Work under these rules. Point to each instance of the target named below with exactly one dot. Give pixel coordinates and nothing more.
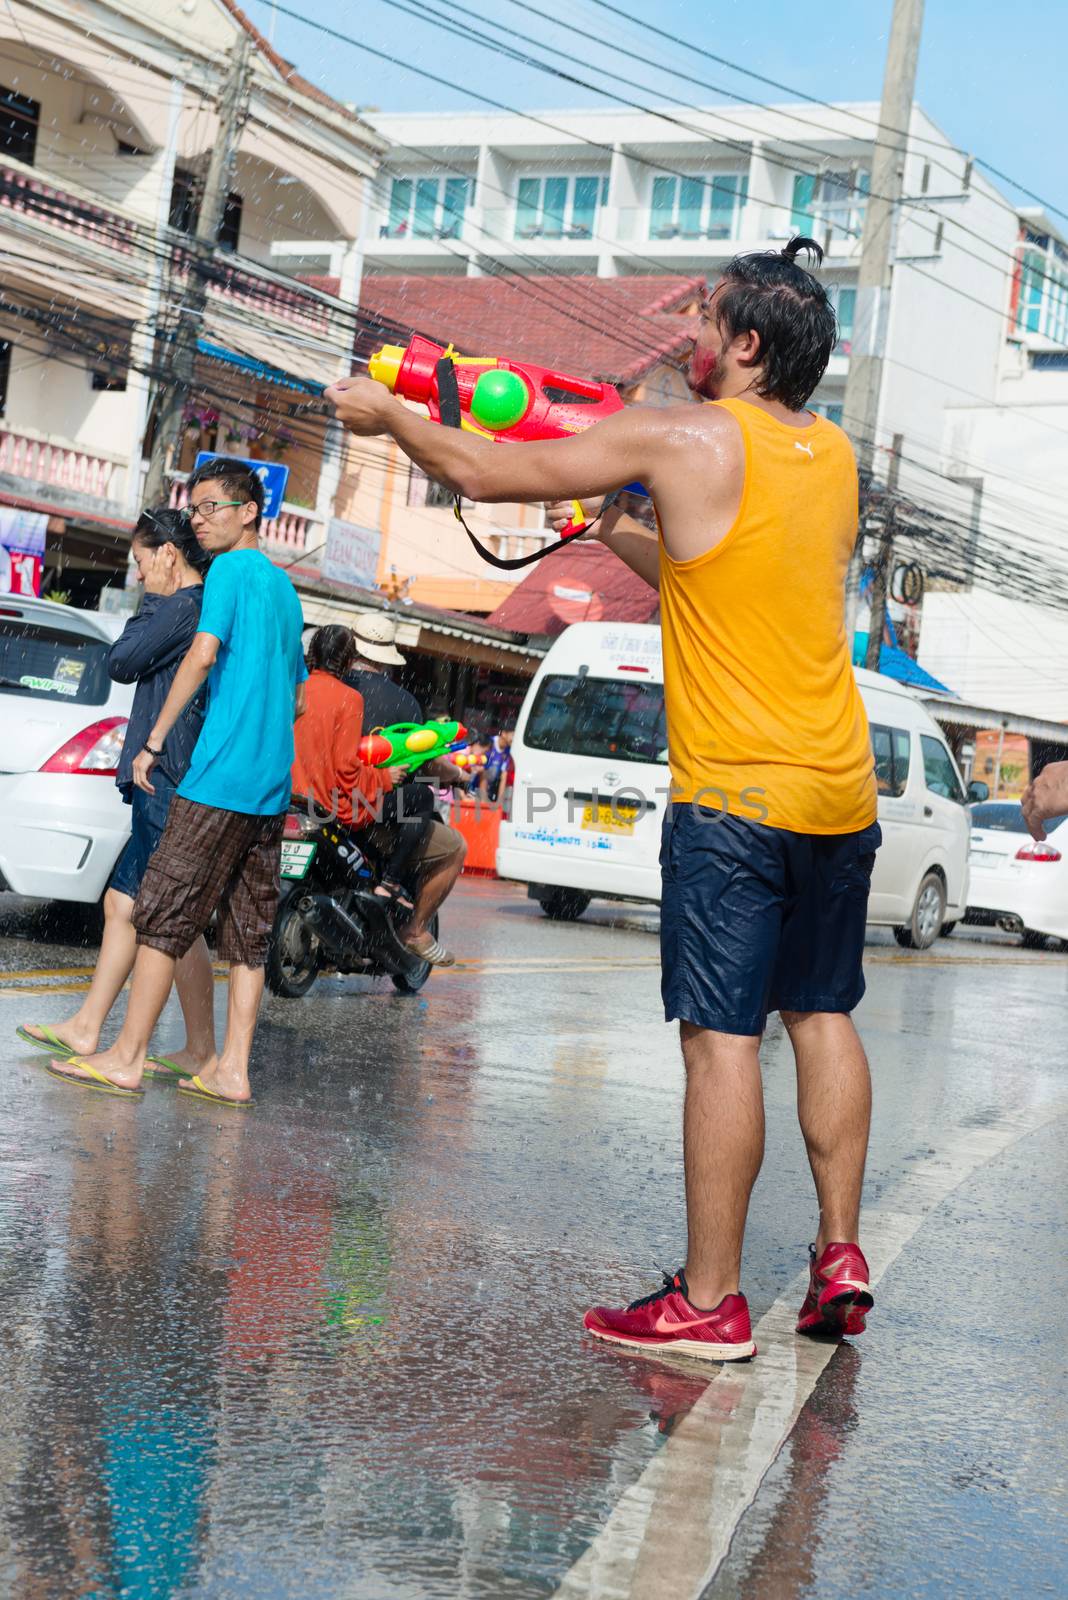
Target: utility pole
(875, 274)
(192, 297)
(884, 565)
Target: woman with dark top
(171, 564)
(328, 770)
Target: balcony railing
(23, 191)
(506, 224)
(40, 458)
(232, 282)
(422, 233)
(296, 528)
(656, 227)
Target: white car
(62, 723)
(1018, 884)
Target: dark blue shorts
(146, 830)
(755, 919)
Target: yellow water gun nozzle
(384, 366)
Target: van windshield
(601, 717)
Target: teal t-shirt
(243, 757)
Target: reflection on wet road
(332, 1347)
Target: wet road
(332, 1347)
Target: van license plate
(985, 858)
(297, 857)
(603, 819)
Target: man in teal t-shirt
(221, 850)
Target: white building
(623, 192)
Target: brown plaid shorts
(208, 860)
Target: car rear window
(1004, 816)
(45, 663)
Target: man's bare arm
(637, 443)
(191, 675)
(637, 546)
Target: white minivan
(592, 784)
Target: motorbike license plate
(603, 819)
(297, 857)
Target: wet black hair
(331, 649)
(768, 293)
(236, 477)
(159, 525)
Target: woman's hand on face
(161, 575)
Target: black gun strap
(449, 411)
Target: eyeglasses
(208, 508)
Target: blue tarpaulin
(259, 369)
(895, 663)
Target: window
(45, 663)
(892, 748)
(1042, 298)
(427, 208)
(19, 120)
(1003, 816)
(424, 491)
(938, 770)
(697, 208)
(601, 717)
(844, 301)
(830, 200)
(185, 209)
(833, 413)
(5, 373)
(560, 207)
(185, 201)
(230, 226)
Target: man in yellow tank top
(770, 832)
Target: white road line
(672, 1528)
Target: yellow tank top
(765, 719)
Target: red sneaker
(668, 1321)
(838, 1299)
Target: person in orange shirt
(327, 767)
(770, 829)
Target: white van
(592, 784)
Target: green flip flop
(164, 1069)
(51, 1041)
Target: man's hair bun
(800, 242)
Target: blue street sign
(273, 475)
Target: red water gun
(500, 400)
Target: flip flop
(51, 1041)
(436, 954)
(396, 895)
(199, 1089)
(95, 1081)
(163, 1069)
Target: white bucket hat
(375, 636)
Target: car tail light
(94, 751)
(1039, 851)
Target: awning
(960, 715)
(258, 369)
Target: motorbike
(328, 914)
